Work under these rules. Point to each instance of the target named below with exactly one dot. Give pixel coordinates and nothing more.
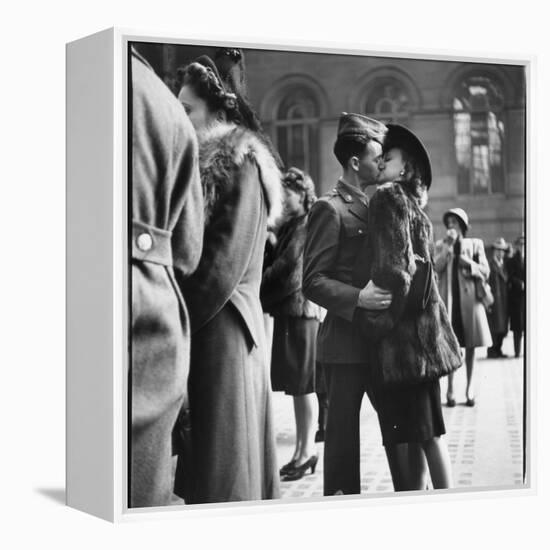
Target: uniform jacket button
(145, 242)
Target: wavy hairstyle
(299, 181)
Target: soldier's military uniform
(336, 230)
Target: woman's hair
(209, 87)
(297, 180)
(412, 180)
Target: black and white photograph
(326, 278)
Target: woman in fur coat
(411, 344)
(232, 437)
(296, 320)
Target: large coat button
(145, 242)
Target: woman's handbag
(484, 294)
(421, 285)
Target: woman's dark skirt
(411, 413)
(293, 355)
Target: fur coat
(281, 290)
(232, 159)
(405, 346)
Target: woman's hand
(464, 261)
(375, 298)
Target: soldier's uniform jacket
(336, 229)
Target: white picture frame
(97, 274)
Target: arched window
(479, 135)
(296, 130)
(388, 101)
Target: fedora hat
(360, 126)
(399, 137)
(500, 244)
(460, 214)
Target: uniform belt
(151, 244)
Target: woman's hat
(500, 244)
(460, 214)
(400, 137)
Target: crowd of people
(362, 301)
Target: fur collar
(225, 146)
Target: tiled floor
(485, 442)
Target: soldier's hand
(374, 297)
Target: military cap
(355, 125)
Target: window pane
(463, 151)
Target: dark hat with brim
(399, 137)
(353, 125)
(500, 244)
(460, 214)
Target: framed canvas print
(296, 275)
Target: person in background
(458, 261)
(166, 243)
(498, 311)
(296, 321)
(516, 293)
(233, 441)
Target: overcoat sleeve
(392, 257)
(226, 250)
(283, 276)
(320, 256)
(187, 234)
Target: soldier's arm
(320, 256)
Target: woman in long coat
(411, 344)
(296, 320)
(233, 445)
(459, 261)
(498, 311)
(167, 231)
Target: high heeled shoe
(299, 471)
(287, 468)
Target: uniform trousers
(346, 385)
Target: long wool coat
(474, 317)
(516, 289)
(232, 432)
(167, 220)
(405, 346)
(498, 312)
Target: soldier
(167, 231)
(336, 230)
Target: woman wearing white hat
(459, 261)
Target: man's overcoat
(167, 229)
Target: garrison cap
(355, 125)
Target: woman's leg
(397, 456)
(418, 468)
(450, 389)
(470, 357)
(305, 410)
(439, 462)
(298, 441)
